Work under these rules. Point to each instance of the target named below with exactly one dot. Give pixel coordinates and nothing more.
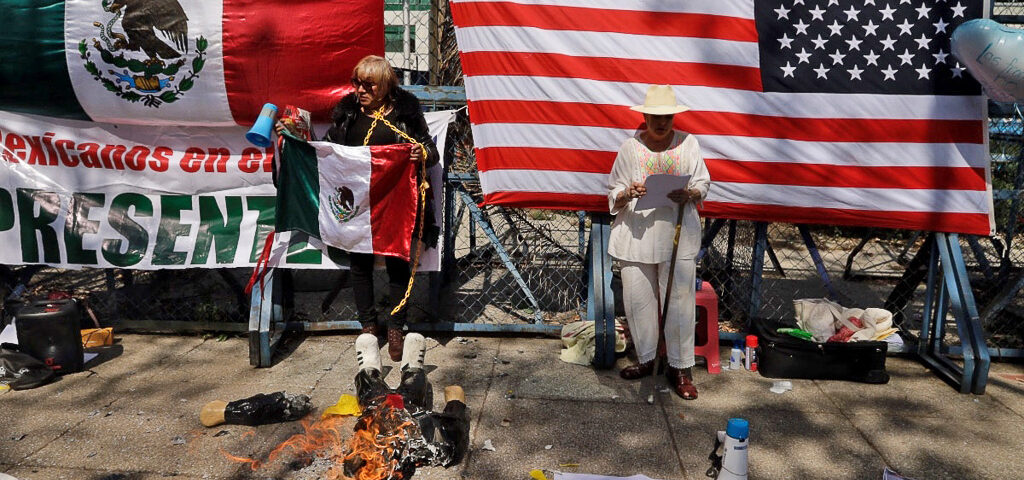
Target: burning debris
(323, 438)
(396, 432)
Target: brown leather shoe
(638, 370)
(682, 380)
(371, 329)
(395, 341)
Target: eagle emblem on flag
(148, 58)
(343, 206)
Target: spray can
(751, 353)
(736, 356)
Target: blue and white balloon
(994, 54)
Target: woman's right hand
(636, 190)
(279, 127)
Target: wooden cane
(668, 293)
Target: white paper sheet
(9, 335)
(658, 187)
(587, 476)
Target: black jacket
(407, 109)
(409, 120)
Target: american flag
(807, 111)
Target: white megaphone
(731, 464)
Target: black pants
(361, 280)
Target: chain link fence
(514, 266)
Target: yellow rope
(421, 210)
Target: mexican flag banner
(357, 199)
(181, 62)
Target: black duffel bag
(21, 371)
(784, 356)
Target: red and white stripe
(550, 82)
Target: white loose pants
(643, 287)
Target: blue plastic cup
(259, 134)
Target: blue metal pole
(954, 289)
(979, 255)
(818, 263)
(757, 269)
(929, 303)
(968, 321)
(582, 216)
(600, 300)
(500, 249)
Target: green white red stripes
(357, 199)
(81, 59)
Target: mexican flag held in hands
(358, 199)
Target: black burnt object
(414, 435)
(262, 408)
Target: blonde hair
(377, 70)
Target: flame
(378, 451)
(323, 437)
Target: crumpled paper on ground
(578, 338)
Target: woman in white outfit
(642, 240)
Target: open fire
(377, 450)
(397, 431)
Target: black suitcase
(50, 330)
(783, 356)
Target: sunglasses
(367, 85)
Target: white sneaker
(414, 350)
(367, 352)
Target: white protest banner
(80, 194)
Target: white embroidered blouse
(646, 236)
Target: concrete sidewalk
(134, 415)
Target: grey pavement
(134, 415)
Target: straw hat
(660, 100)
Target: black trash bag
(21, 371)
(261, 409)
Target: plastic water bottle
(736, 356)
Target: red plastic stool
(706, 341)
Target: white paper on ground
(9, 334)
(658, 187)
(587, 476)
